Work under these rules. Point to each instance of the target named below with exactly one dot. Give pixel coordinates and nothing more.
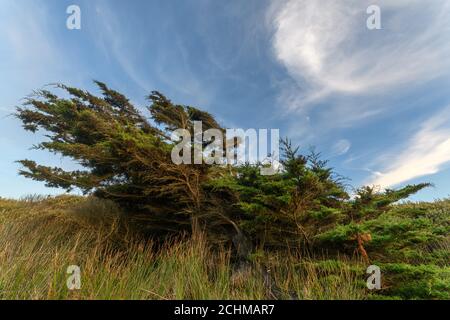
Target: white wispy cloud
(341, 147)
(27, 50)
(327, 48)
(30, 55)
(113, 42)
(167, 63)
(427, 152)
(345, 74)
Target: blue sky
(374, 102)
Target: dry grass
(41, 237)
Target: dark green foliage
(289, 208)
(362, 212)
(424, 281)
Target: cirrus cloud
(344, 74)
(341, 147)
(327, 48)
(426, 153)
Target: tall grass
(41, 237)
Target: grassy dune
(41, 237)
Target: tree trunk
(361, 248)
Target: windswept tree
(126, 157)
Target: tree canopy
(126, 157)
